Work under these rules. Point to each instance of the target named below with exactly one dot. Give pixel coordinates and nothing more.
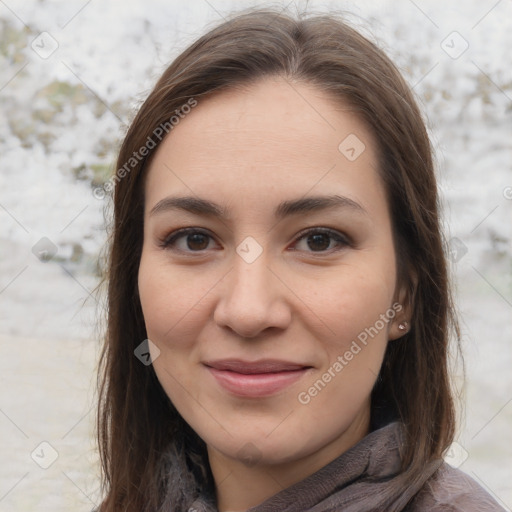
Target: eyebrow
(300, 206)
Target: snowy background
(71, 76)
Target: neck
(241, 486)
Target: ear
(403, 305)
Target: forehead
(283, 113)
(271, 138)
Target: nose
(253, 299)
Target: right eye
(187, 240)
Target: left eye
(322, 240)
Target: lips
(246, 367)
(255, 378)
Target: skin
(301, 300)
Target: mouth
(255, 378)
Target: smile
(255, 379)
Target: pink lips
(257, 378)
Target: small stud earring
(403, 326)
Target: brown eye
(197, 241)
(187, 240)
(318, 241)
(322, 240)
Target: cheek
(355, 307)
(171, 306)
(155, 291)
(348, 300)
(170, 298)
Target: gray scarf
(367, 478)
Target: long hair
(137, 423)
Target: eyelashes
(196, 241)
(322, 235)
(170, 241)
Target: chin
(256, 448)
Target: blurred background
(72, 75)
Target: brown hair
(137, 423)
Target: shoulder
(452, 490)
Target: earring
(403, 326)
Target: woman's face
(272, 312)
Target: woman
(279, 309)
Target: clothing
(366, 478)
(361, 478)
